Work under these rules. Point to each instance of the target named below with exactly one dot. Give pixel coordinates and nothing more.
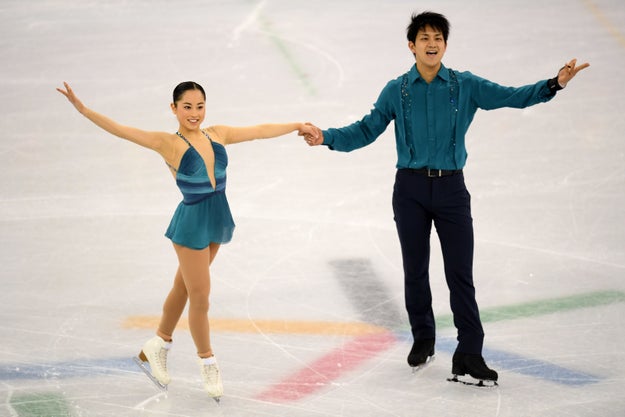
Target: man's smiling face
(428, 47)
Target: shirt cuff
(553, 85)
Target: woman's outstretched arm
(230, 134)
(157, 141)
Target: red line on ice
(328, 368)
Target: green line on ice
(43, 404)
(541, 307)
(286, 53)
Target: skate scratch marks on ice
(267, 29)
(370, 340)
(154, 398)
(236, 34)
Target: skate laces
(161, 358)
(210, 372)
(159, 350)
(211, 376)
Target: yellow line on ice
(605, 22)
(267, 326)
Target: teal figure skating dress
(203, 216)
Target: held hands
(311, 133)
(69, 93)
(569, 70)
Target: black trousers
(419, 201)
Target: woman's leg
(176, 301)
(173, 307)
(194, 271)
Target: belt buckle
(434, 173)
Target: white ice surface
(82, 214)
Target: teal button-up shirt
(431, 120)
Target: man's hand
(569, 70)
(312, 134)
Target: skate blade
(216, 398)
(480, 383)
(428, 362)
(146, 370)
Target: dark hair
(420, 21)
(185, 86)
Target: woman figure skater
(202, 222)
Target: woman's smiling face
(190, 109)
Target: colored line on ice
(52, 371)
(526, 366)
(605, 22)
(331, 366)
(43, 404)
(322, 372)
(369, 341)
(541, 307)
(287, 54)
(278, 41)
(373, 301)
(267, 326)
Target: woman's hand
(69, 93)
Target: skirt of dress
(197, 225)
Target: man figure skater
(432, 107)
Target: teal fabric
(204, 215)
(431, 120)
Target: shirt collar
(414, 75)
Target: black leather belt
(433, 173)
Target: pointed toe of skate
(419, 368)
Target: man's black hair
(420, 21)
